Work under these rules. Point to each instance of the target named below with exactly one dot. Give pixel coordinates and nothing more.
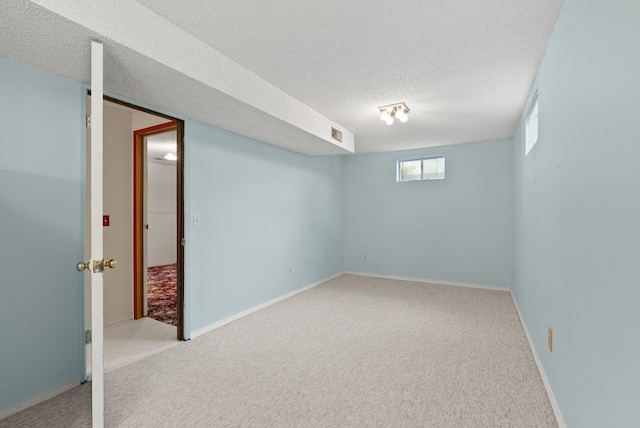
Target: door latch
(101, 265)
(98, 265)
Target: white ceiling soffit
(286, 71)
(152, 61)
(463, 67)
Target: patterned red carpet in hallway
(162, 297)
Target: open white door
(96, 264)
(97, 258)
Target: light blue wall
(577, 214)
(41, 317)
(262, 209)
(457, 229)
(573, 202)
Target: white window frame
(531, 125)
(400, 161)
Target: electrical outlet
(550, 339)
(365, 256)
(290, 269)
(196, 220)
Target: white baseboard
(432, 281)
(211, 327)
(36, 399)
(543, 375)
(545, 379)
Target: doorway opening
(156, 242)
(128, 129)
(127, 338)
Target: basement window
(420, 168)
(531, 125)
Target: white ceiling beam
(136, 27)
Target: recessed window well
(420, 168)
(531, 125)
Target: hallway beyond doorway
(161, 294)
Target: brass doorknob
(111, 263)
(82, 266)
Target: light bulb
(400, 114)
(389, 120)
(404, 118)
(384, 115)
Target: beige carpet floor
(353, 352)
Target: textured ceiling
(286, 71)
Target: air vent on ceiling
(336, 135)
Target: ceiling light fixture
(398, 110)
(170, 157)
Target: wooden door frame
(139, 162)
